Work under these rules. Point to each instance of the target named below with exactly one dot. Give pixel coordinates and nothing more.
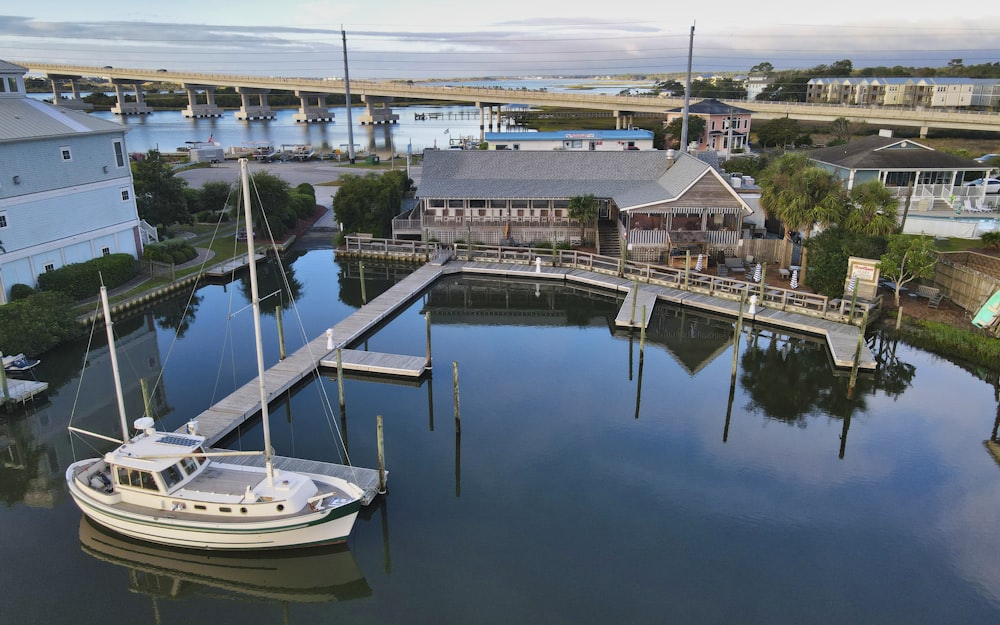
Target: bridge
(377, 96)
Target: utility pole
(347, 94)
(687, 96)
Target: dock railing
(769, 296)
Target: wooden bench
(932, 293)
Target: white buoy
(538, 264)
(752, 310)
(329, 338)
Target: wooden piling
(147, 404)
(281, 333)
(635, 296)
(857, 353)
(458, 415)
(381, 454)
(3, 382)
(427, 318)
(364, 293)
(340, 379)
(736, 337)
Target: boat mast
(109, 326)
(245, 179)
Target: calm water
(168, 130)
(587, 485)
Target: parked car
(992, 184)
(986, 157)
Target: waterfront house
(662, 203)
(932, 179)
(572, 140)
(727, 127)
(66, 193)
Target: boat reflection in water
(302, 576)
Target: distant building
(572, 140)
(66, 193)
(940, 92)
(727, 127)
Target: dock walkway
(841, 338)
(244, 403)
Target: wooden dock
(632, 317)
(21, 391)
(226, 269)
(227, 414)
(841, 338)
(359, 361)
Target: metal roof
(630, 178)
(568, 135)
(25, 118)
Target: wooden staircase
(607, 236)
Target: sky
(426, 39)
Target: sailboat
(170, 488)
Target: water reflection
(36, 445)
(298, 576)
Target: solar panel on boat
(172, 439)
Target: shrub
(991, 239)
(37, 323)
(20, 291)
(174, 251)
(82, 280)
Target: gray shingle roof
(630, 178)
(883, 153)
(26, 118)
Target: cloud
(514, 47)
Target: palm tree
(873, 210)
(583, 208)
(802, 196)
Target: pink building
(727, 127)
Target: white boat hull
(321, 527)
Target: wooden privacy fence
(774, 252)
(967, 278)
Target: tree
(909, 258)
(778, 132)
(829, 253)
(696, 129)
(842, 129)
(873, 210)
(368, 204)
(583, 208)
(801, 195)
(270, 206)
(669, 86)
(215, 195)
(159, 195)
(762, 68)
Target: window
(171, 475)
(49, 266)
(3, 220)
(119, 154)
(65, 152)
(105, 251)
(125, 195)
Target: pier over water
(645, 283)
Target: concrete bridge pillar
(73, 102)
(624, 119)
(197, 109)
(249, 110)
(129, 108)
(312, 108)
(923, 132)
(377, 111)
